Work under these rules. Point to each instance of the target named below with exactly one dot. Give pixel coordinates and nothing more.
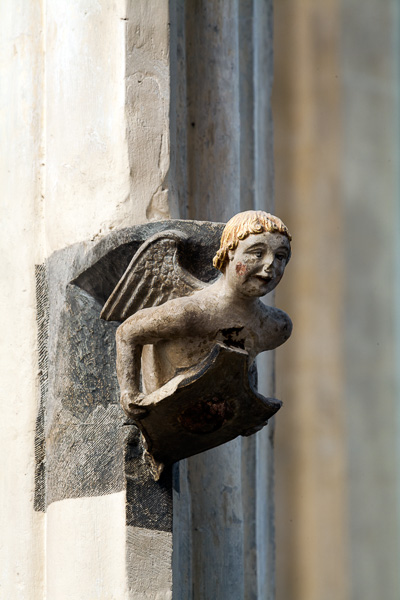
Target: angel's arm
(128, 371)
(277, 329)
(169, 321)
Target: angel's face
(256, 266)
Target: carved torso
(208, 319)
(186, 345)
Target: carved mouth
(264, 278)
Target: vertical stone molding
(223, 512)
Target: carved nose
(268, 268)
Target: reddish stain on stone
(241, 269)
(206, 416)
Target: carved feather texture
(153, 276)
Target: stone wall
(116, 114)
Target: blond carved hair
(241, 226)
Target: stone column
(223, 507)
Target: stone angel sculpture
(185, 348)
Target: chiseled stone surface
(149, 560)
(84, 433)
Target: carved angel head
(241, 226)
(254, 251)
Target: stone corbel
(190, 332)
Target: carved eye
(258, 253)
(281, 256)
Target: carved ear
(231, 254)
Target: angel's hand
(130, 402)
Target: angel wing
(153, 276)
